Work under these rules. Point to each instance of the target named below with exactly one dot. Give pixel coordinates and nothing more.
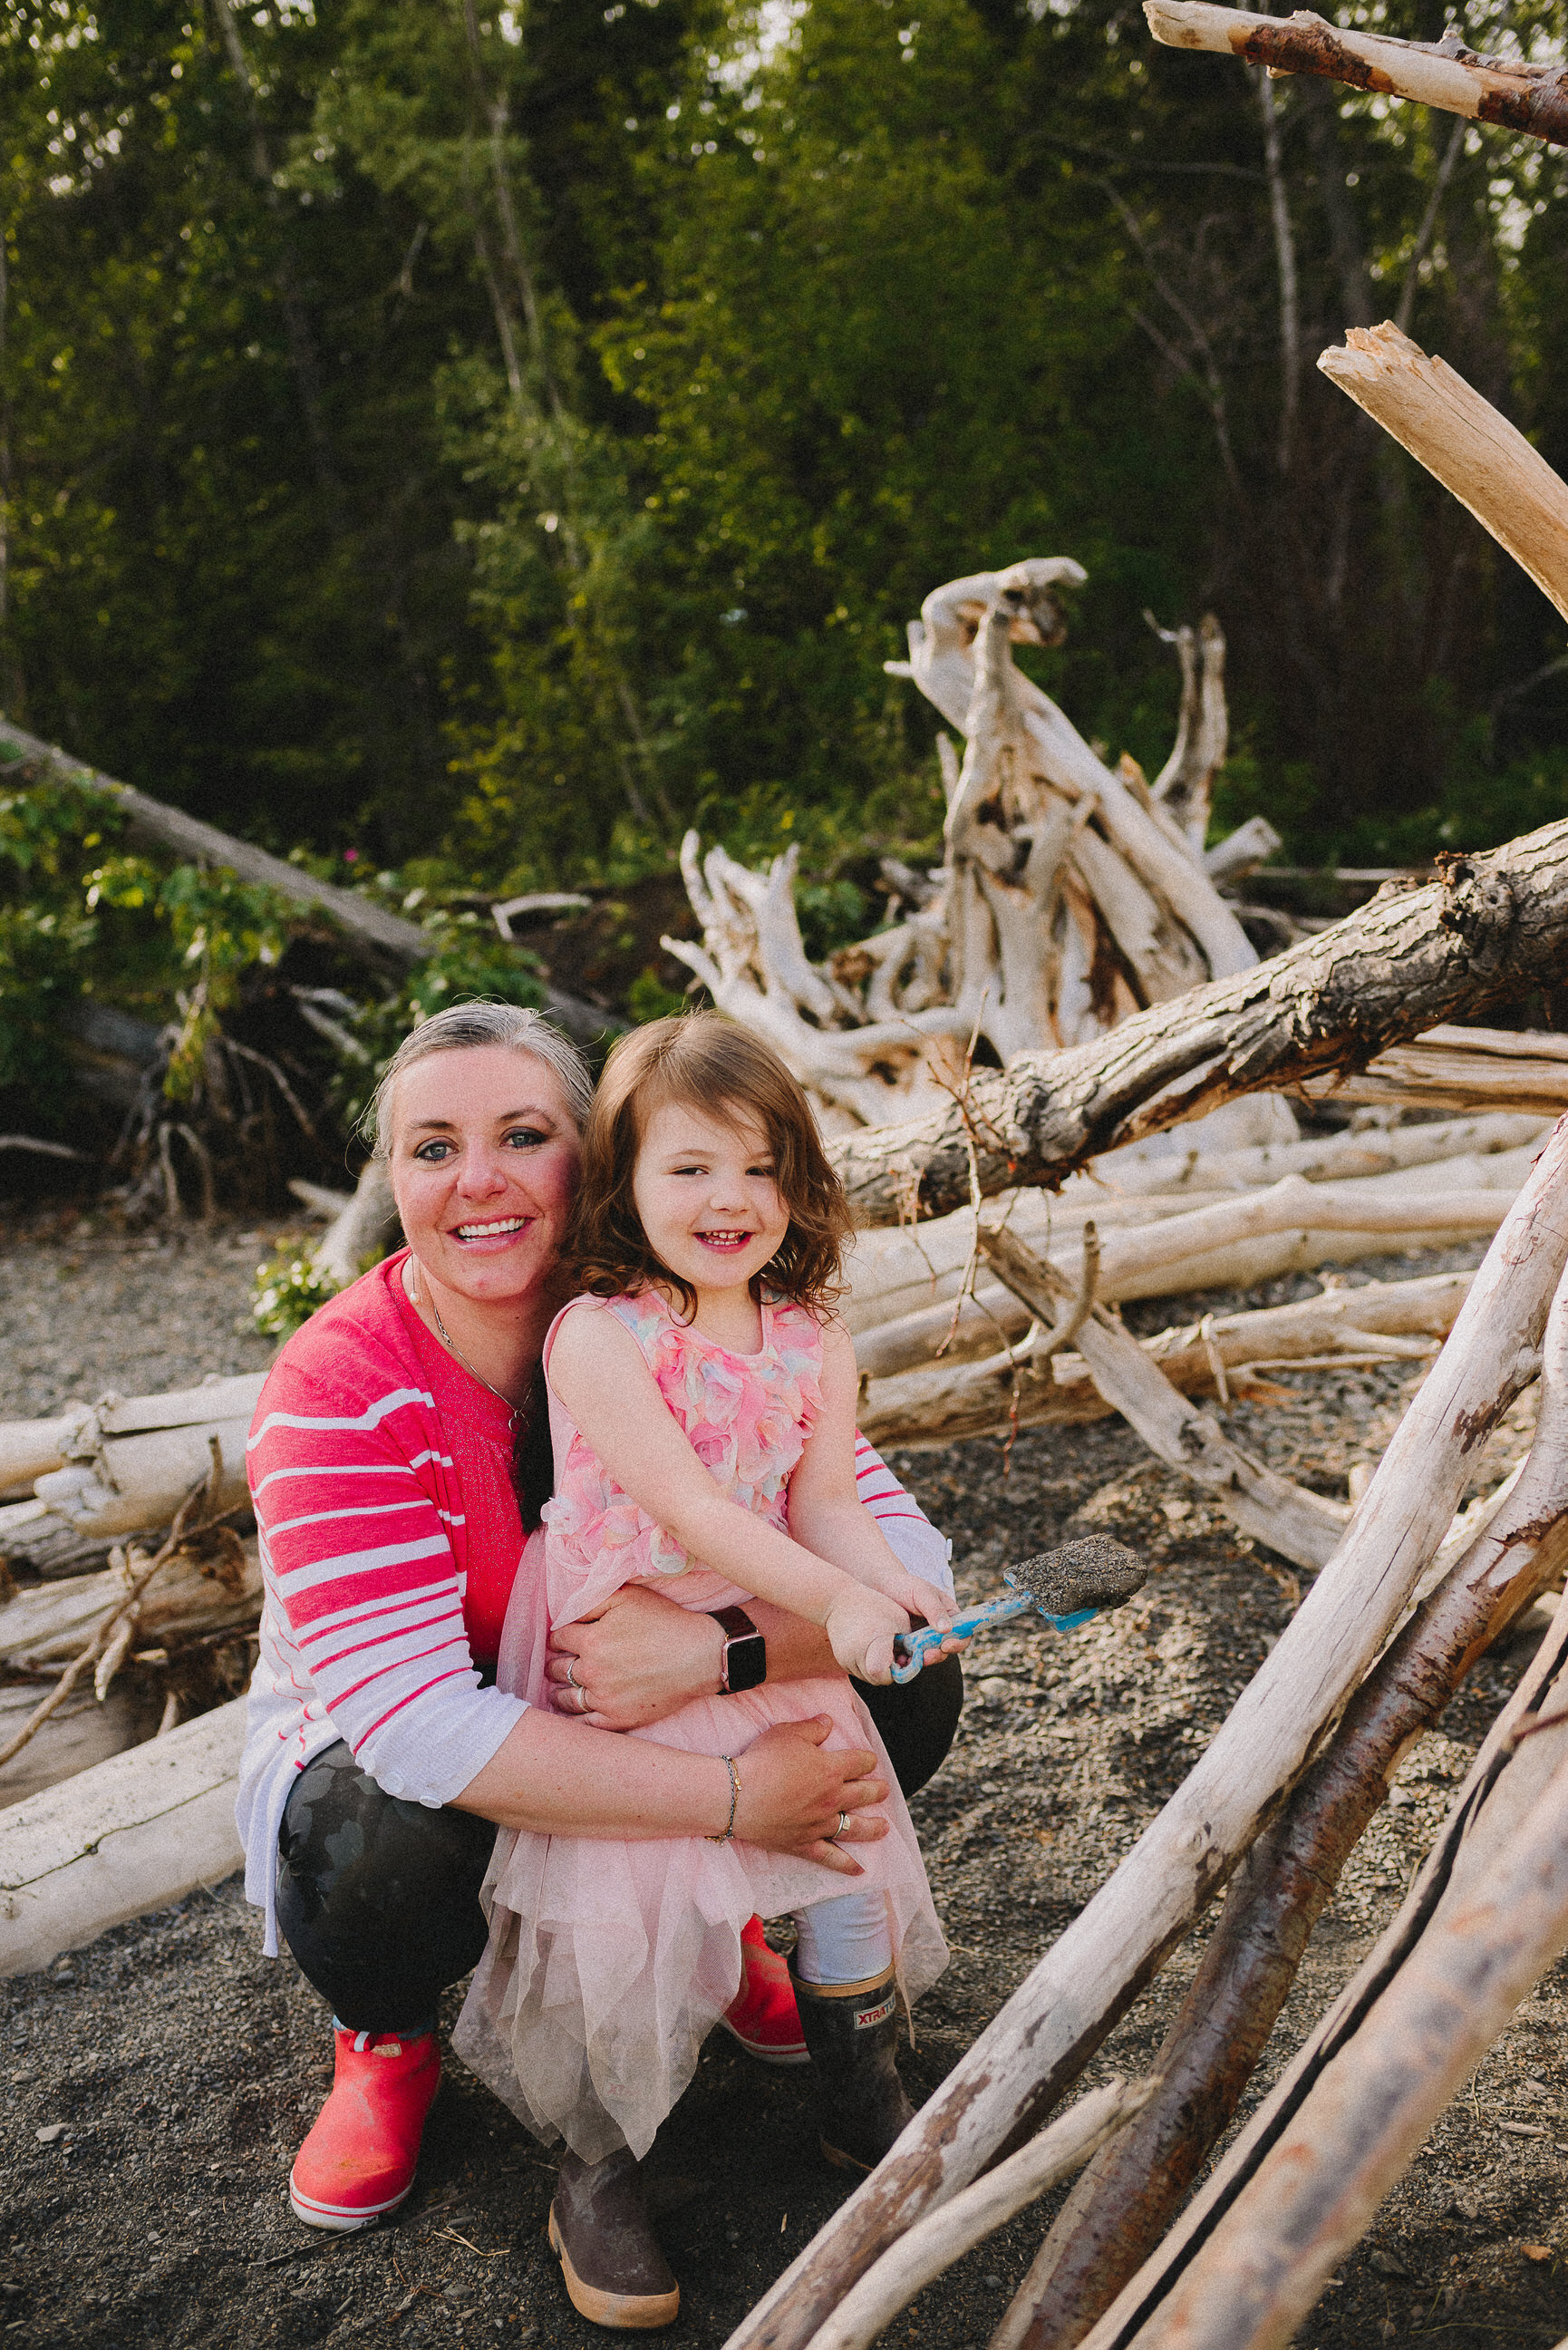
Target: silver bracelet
(729, 1827)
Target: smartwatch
(744, 1662)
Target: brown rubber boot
(852, 2032)
(616, 2274)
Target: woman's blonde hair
(714, 1066)
(486, 1022)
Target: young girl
(703, 1410)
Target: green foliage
(287, 1291)
(494, 461)
(217, 928)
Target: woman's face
(485, 1162)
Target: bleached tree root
(1487, 1913)
(1039, 2043)
(1491, 929)
(363, 1229)
(1122, 2205)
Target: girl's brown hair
(714, 1066)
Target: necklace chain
(449, 1343)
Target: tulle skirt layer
(609, 1962)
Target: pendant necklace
(516, 1410)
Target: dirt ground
(153, 2087)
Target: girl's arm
(597, 1370)
(825, 1511)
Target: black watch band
(743, 1665)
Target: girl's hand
(794, 1788)
(921, 1600)
(862, 1626)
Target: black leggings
(379, 1899)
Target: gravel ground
(157, 2084)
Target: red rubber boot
(762, 2017)
(360, 2158)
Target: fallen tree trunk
(130, 1836)
(1225, 1353)
(1026, 2058)
(1303, 2181)
(1232, 1244)
(385, 937)
(1508, 91)
(1491, 928)
(1123, 2204)
(1325, 1158)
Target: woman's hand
(636, 1660)
(794, 1791)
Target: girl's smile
(707, 1203)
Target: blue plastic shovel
(1065, 1587)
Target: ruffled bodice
(747, 1417)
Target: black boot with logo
(852, 2033)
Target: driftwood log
(1511, 92)
(1303, 1527)
(1265, 2232)
(1122, 2205)
(1226, 1354)
(1461, 1068)
(119, 1467)
(1040, 2042)
(1459, 437)
(945, 2235)
(1492, 928)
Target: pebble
(50, 2131)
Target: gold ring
(582, 1696)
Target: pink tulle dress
(609, 1962)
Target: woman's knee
(377, 1897)
(917, 1720)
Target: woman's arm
(563, 1778)
(598, 1371)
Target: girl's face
(485, 1169)
(706, 1198)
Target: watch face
(745, 1662)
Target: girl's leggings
(379, 1899)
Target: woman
(400, 1450)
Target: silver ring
(571, 1675)
(838, 1831)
